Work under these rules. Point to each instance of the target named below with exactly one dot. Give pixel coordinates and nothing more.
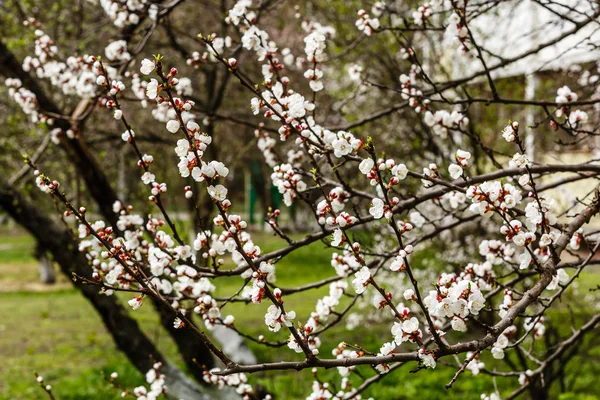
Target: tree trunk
(46, 268)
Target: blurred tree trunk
(46, 268)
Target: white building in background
(528, 25)
(525, 26)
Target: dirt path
(8, 287)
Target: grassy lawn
(55, 332)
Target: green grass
(58, 334)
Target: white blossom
(147, 66)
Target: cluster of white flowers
(355, 72)
(170, 113)
(104, 267)
(431, 172)
(509, 133)
(455, 298)
(190, 154)
(457, 30)
(117, 51)
(74, 76)
(240, 12)
(410, 92)
(454, 199)
(507, 302)
(138, 87)
(519, 161)
(564, 96)
(314, 47)
(398, 173)
(407, 330)
(493, 195)
(320, 391)
(27, 100)
(535, 216)
(361, 280)
(422, 14)
(462, 161)
(399, 263)
(495, 251)
(576, 239)
(343, 352)
(345, 263)
(366, 24)
(278, 104)
(266, 144)
(492, 396)
(154, 378)
(576, 117)
(536, 326)
(345, 390)
(443, 121)
(330, 211)
(475, 366)
(165, 112)
(343, 143)
(314, 76)
(427, 358)
(325, 306)
(127, 12)
(274, 318)
(237, 381)
(560, 278)
(258, 40)
(502, 342)
(258, 278)
(288, 182)
(217, 47)
(342, 220)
